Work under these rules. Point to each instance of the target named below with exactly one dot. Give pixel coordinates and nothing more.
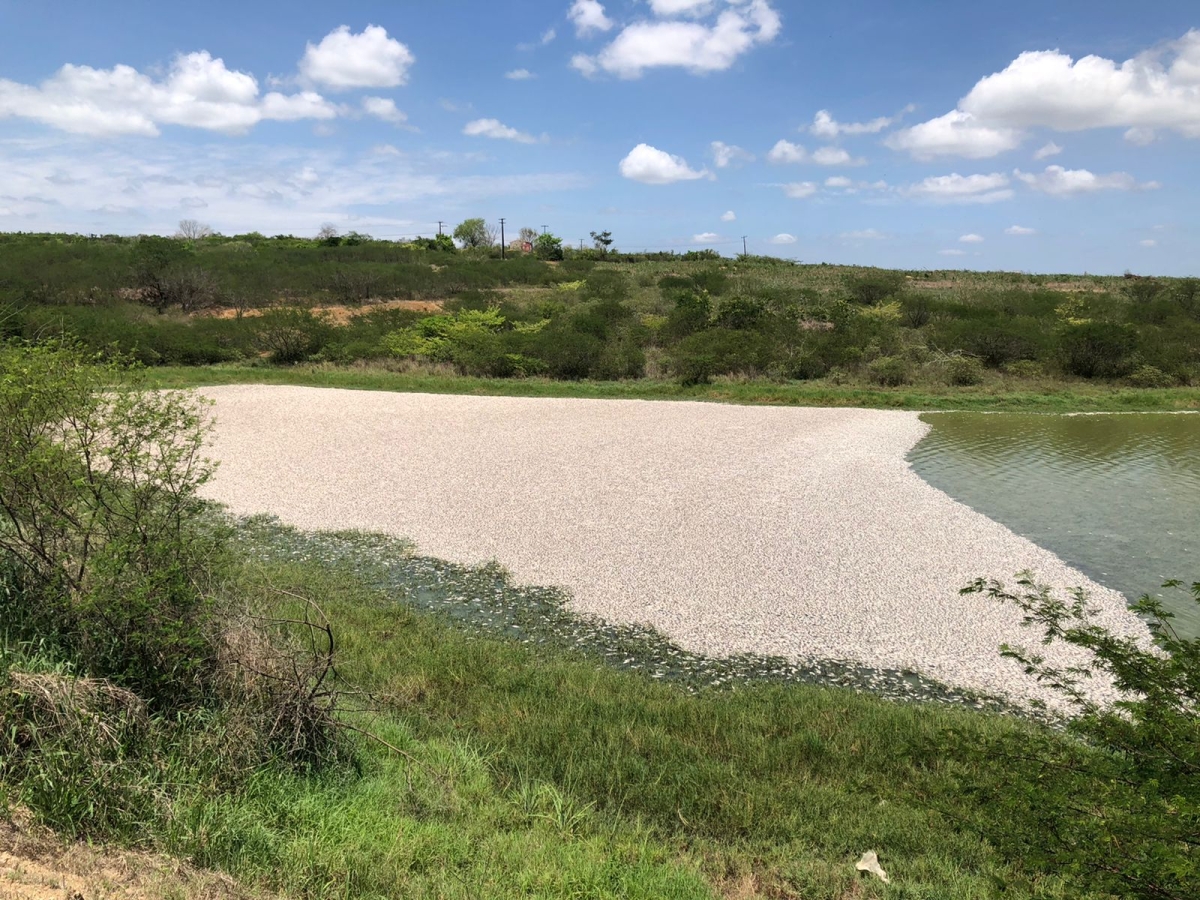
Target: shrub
(1024, 368)
(101, 519)
(890, 371)
(1143, 290)
(1117, 809)
(875, 287)
(963, 370)
(718, 351)
(1151, 377)
(1097, 349)
(291, 334)
(692, 313)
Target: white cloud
(139, 187)
(954, 252)
(799, 190)
(345, 60)
(726, 154)
(825, 126)
(1149, 242)
(707, 237)
(519, 75)
(383, 108)
(957, 133)
(1157, 89)
(589, 17)
(668, 8)
(836, 156)
(1047, 151)
(955, 188)
(650, 165)
(729, 216)
(1060, 182)
(1019, 230)
(869, 234)
(787, 152)
(839, 182)
(198, 91)
(971, 239)
(494, 128)
(548, 35)
(695, 46)
(782, 239)
(1141, 136)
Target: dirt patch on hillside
(37, 865)
(340, 314)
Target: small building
(520, 246)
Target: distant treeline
(591, 315)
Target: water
(1116, 496)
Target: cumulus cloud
(198, 91)
(869, 234)
(650, 165)
(344, 60)
(839, 182)
(787, 152)
(707, 237)
(1048, 150)
(955, 188)
(1060, 182)
(697, 46)
(727, 154)
(782, 239)
(1157, 89)
(1148, 242)
(799, 190)
(836, 156)
(1019, 230)
(826, 126)
(383, 108)
(589, 18)
(957, 133)
(729, 216)
(497, 130)
(971, 239)
(519, 75)
(668, 8)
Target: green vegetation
(168, 680)
(657, 320)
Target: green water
(1116, 496)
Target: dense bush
(1097, 349)
(875, 287)
(890, 371)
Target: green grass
(1008, 395)
(536, 772)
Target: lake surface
(1116, 496)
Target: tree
(474, 233)
(602, 240)
(547, 246)
(328, 235)
(528, 235)
(191, 230)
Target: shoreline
(793, 532)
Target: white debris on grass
(800, 533)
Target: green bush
(875, 287)
(718, 351)
(1151, 377)
(291, 334)
(963, 370)
(1117, 810)
(890, 371)
(100, 516)
(1097, 349)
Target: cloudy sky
(1036, 136)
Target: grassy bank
(1014, 396)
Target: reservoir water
(1116, 496)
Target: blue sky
(1048, 137)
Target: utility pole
(440, 224)
(581, 245)
(744, 251)
(545, 228)
(502, 256)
